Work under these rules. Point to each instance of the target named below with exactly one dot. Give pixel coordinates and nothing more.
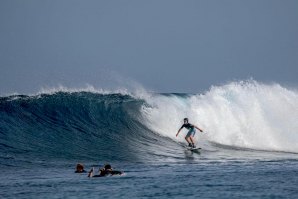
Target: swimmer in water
(105, 171)
(80, 168)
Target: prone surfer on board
(105, 171)
(191, 133)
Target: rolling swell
(79, 125)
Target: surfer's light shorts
(191, 132)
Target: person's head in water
(107, 166)
(185, 120)
(79, 168)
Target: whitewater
(240, 114)
(249, 143)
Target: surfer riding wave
(191, 132)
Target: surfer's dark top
(188, 126)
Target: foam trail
(241, 114)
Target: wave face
(89, 125)
(71, 125)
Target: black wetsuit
(107, 172)
(187, 126)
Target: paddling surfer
(105, 171)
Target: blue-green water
(189, 179)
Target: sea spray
(244, 114)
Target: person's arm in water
(179, 130)
(90, 174)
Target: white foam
(86, 88)
(242, 114)
(136, 91)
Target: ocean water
(249, 144)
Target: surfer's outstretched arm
(179, 131)
(90, 174)
(198, 128)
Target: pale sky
(164, 45)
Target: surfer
(191, 133)
(105, 171)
